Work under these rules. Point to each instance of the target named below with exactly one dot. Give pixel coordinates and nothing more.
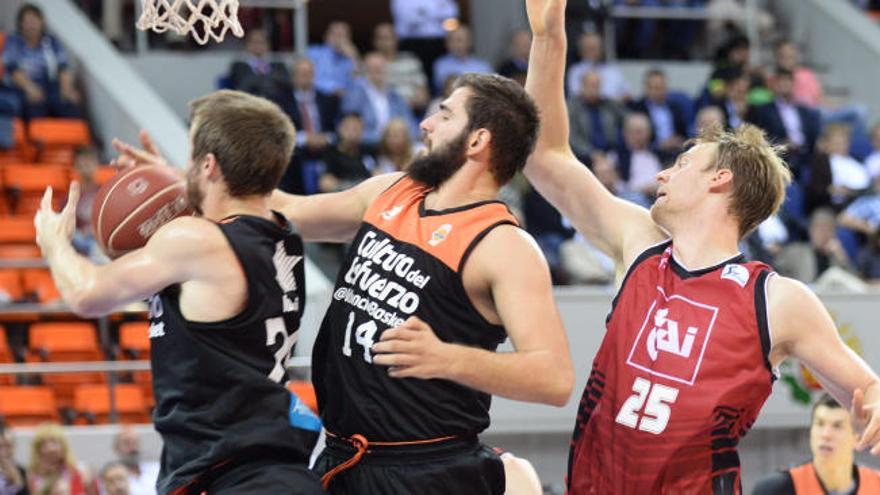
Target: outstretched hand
(546, 17)
(56, 227)
(867, 419)
(129, 156)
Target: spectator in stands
(637, 164)
(806, 87)
(12, 476)
(85, 164)
(376, 102)
(787, 122)
(832, 470)
(52, 461)
(835, 176)
(406, 75)
(314, 114)
(336, 60)
(256, 73)
(458, 58)
(595, 120)
(872, 162)
(517, 63)
(421, 26)
(396, 148)
(38, 67)
(863, 214)
(348, 162)
(708, 116)
(734, 101)
(591, 53)
(668, 119)
(808, 261)
(868, 259)
(140, 475)
(114, 480)
(731, 62)
(606, 172)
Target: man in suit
(376, 102)
(787, 122)
(595, 120)
(668, 118)
(314, 114)
(256, 74)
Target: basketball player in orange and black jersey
(226, 295)
(695, 331)
(438, 274)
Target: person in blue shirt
(458, 60)
(336, 60)
(37, 66)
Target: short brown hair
(251, 138)
(502, 106)
(760, 175)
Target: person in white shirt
(421, 27)
(142, 474)
(405, 72)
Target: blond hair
(760, 175)
(50, 431)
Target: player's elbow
(85, 306)
(559, 390)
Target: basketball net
(203, 18)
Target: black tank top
(219, 386)
(405, 261)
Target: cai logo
(673, 338)
(440, 234)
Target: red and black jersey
(679, 378)
(405, 261)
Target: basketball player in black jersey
(226, 293)
(404, 364)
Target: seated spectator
(787, 122)
(85, 163)
(139, 475)
(376, 102)
(517, 64)
(636, 163)
(314, 114)
(406, 75)
(731, 62)
(348, 162)
(595, 120)
(12, 476)
(114, 480)
(458, 58)
(734, 100)
(668, 119)
(421, 25)
(835, 176)
(591, 58)
(806, 87)
(52, 465)
(38, 67)
(808, 261)
(256, 73)
(606, 173)
(396, 148)
(336, 60)
(708, 116)
(863, 214)
(872, 162)
(868, 260)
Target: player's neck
(257, 206)
(470, 184)
(699, 243)
(837, 476)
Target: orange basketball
(130, 207)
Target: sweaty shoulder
(794, 310)
(193, 241)
(506, 249)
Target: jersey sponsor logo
(157, 328)
(284, 275)
(440, 234)
(673, 338)
(389, 214)
(737, 273)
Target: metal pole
(140, 37)
(752, 32)
(300, 26)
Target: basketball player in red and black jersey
(695, 332)
(226, 293)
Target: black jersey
(219, 386)
(404, 261)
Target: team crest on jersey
(673, 338)
(389, 214)
(440, 234)
(737, 273)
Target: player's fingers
(396, 359)
(871, 436)
(858, 402)
(415, 323)
(147, 143)
(72, 199)
(399, 333)
(402, 372)
(392, 346)
(46, 202)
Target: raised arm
(619, 228)
(803, 329)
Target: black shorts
(462, 467)
(259, 476)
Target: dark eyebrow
(444, 108)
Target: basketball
(129, 208)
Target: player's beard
(194, 194)
(441, 163)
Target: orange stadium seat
(63, 336)
(134, 339)
(10, 284)
(306, 393)
(38, 283)
(19, 251)
(17, 229)
(26, 183)
(92, 402)
(5, 357)
(58, 138)
(23, 151)
(27, 406)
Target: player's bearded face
(194, 193)
(441, 163)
